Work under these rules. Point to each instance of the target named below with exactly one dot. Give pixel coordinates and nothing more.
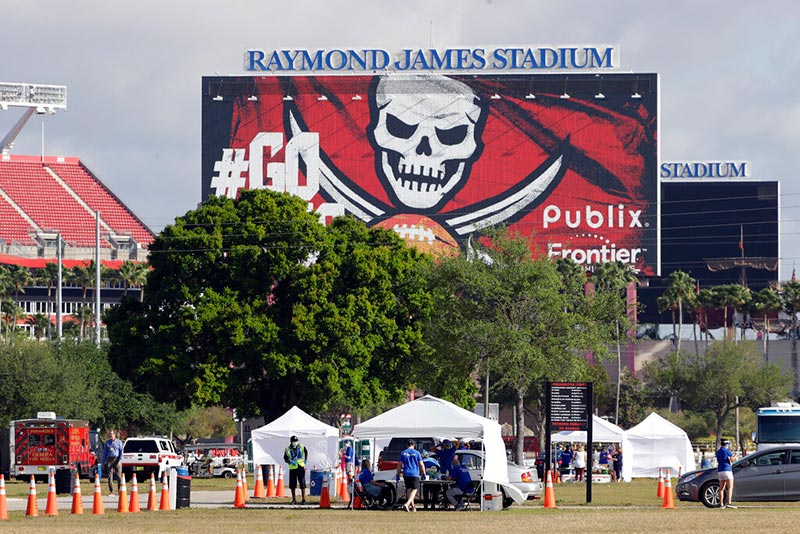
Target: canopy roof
(321, 440)
(602, 432)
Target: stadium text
(705, 169)
(432, 59)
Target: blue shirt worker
(725, 474)
(112, 460)
(295, 455)
(446, 454)
(348, 458)
(371, 486)
(565, 459)
(461, 475)
(412, 469)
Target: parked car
(771, 475)
(213, 459)
(148, 454)
(388, 458)
(520, 477)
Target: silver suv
(148, 454)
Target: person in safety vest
(295, 455)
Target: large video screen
(568, 159)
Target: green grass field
(615, 508)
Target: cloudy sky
(133, 72)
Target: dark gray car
(771, 475)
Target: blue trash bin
(316, 482)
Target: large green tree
(726, 376)
(513, 313)
(253, 304)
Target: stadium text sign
(705, 169)
(592, 57)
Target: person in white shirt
(580, 464)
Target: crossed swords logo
(506, 207)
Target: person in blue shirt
(565, 459)
(348, 458)
(371, 486)
(461, 475)
(412, 469)
(112, 460)
(725, 474)
(445, 452)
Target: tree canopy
(253, 304)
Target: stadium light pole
(97, 278)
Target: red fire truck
(46, 442)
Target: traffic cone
(134, 506)
(238, 500)
(337, 483)
(325, 498)
(669, 501)
(77, 498)
(660, 490)
(164, 506)
(151, 496)
(280, 489)
(97, 506)
(3, 502)
(549, 492)
(244, 484)
(33, 507)
(122, 503)
(258, 491)
(271, 481)
(52, 503)
(344, 492)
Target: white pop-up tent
(602, 432)
(654, 443)
(431, 416)
(321, 440)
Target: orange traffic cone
(325, 498)
(549, 492)
(238, 499)
(152, 506)
(244, 484)
(660, 489)
(134, 506)
(259, 492)
(33, 507)
(3, 502)
(669, 501)
(122, 503)
(164, 506)
(52, 503)
(271, 481)
(97, 505)
(77, 498)
(280, 489)
(344, 492)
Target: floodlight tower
(36, 98)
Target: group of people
(603, 460)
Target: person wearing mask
(446, 452)
(112, 461)
(462, 478)
(295, 455)
(371, 486)
(725, 474)
(412, 469)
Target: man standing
(725, 474)
(112, 461)
(446, 453)
(412, 469)
(295, 455)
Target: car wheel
(507, 501)
(709, 494)
(227, 474)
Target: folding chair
(472, 495)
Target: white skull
(427, 134)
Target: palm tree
(613, 278)
(706, 301)
(5, 286)
(48, 276)
(134, 274)
(790, 297)
(83, 275)
(764, 303)
(680, 291)
(20, 278)
(40, 325)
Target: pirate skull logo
(426, 131)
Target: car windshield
(141, 446)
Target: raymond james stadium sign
(705, 169)
(558, 58)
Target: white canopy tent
(654, 443)
(602, 432)
(431, 416)
(321, 440)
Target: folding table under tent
(431, 416)
(321, 440)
